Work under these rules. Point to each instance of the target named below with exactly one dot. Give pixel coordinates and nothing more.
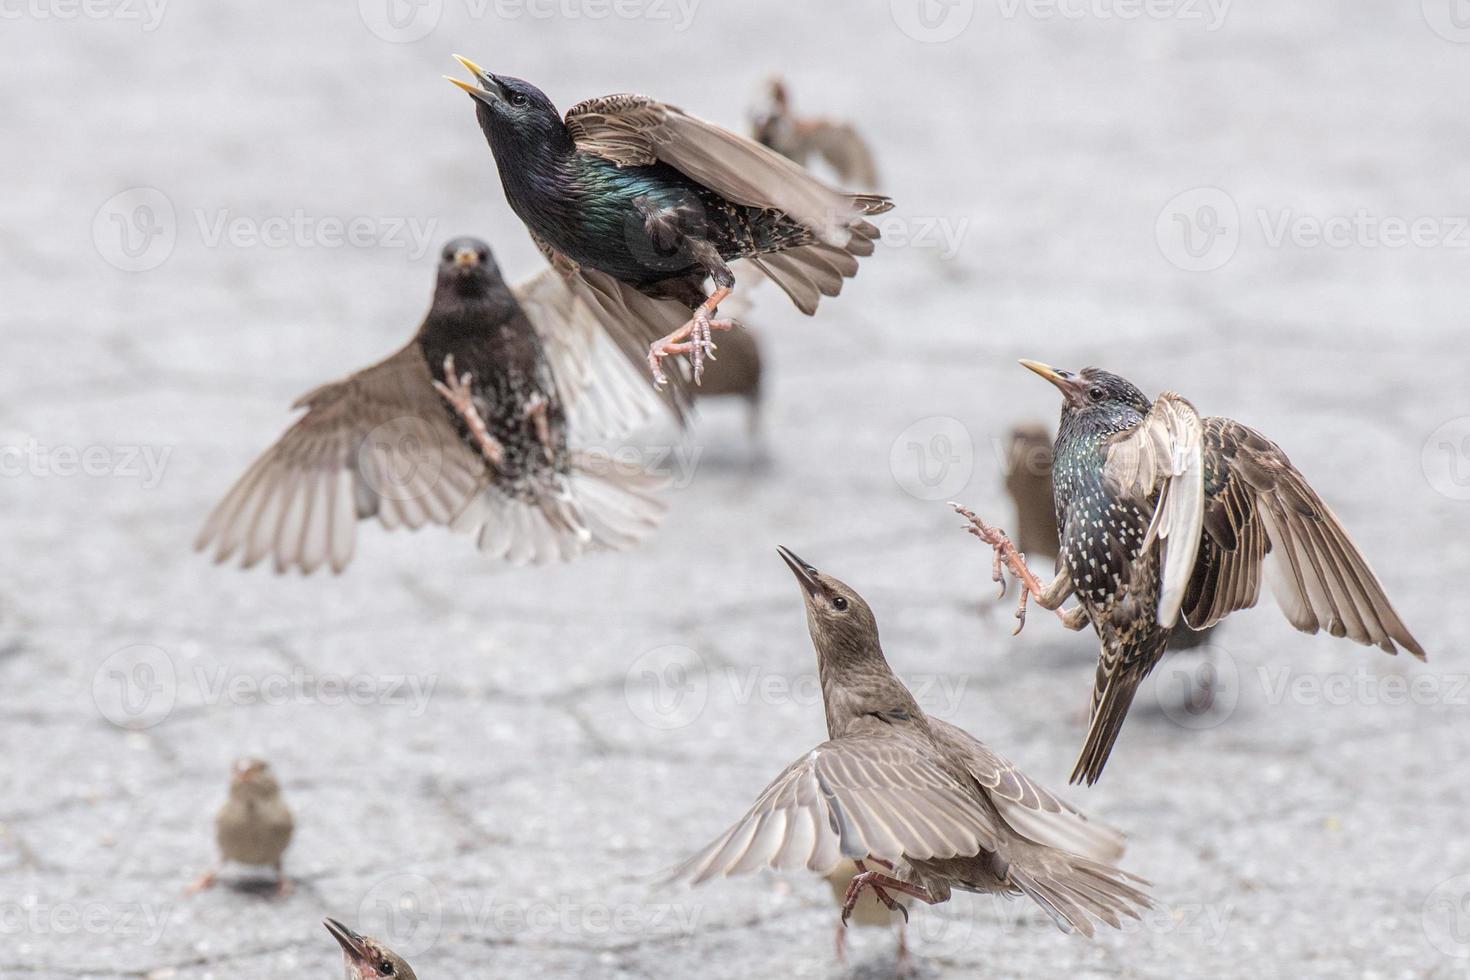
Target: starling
(1168, 517)
(470, 425)
(737, 374)
(638, 203)
(254, 826)
(800, 138)
(366, 958)
(869, 911)
(917, 804)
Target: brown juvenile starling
(366, 958)
(800, 138)
(919, 806)
(638, 203)
(1167, 514)
(737, 374)
(479, 423)
(254, 826)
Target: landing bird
(1167, 515)
(479, 423)
(917, 804)
(638, 203)
(366, 958)
(254, 826)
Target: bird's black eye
(518, 99)
(839, 603)
(385, 968)
(1096, 393)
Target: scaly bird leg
(204, 881)
(698, 329)
(456, 391)
(284, 885)
(881, 884)
(1006, 556)
(536, 412)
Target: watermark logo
(941, 234)
(1450, 19)
(667, 687)
(1446, 917)
(400, 21)
(405, 912)
(933, 458)
(1197, 689)
(135, 688)
(402, 459)
(136, 230)
(1210, 13)
(30, 458)
(1445, 458)
(932, 21)
(148, 14)
(1199, 230)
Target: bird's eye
(385, 968)
(839, 603)
(518, 99)
(1096, 393)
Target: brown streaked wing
(860, 797)
(1262, 519)
(300, 501)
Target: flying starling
(254, 826)
(475, 424)
(638, 203)
(1167, 516)
(800, 138)
(917, 804)
(366, 958)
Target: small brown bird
(493, 446)
(254, 826)
(869, 911)
(1170, 516)
(736, 374)
(919, 806)
(800, 138)
(366, 958)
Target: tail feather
(1117, 685)
(1074, 891)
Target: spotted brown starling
(480, 423)
(366, 958)
(638, 203)
(254, 826)
(918, 805)
(801, 138)
(1168, 517)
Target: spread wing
(1260, 516)
(604, 393)
(1030, 809)
(377, 443)
(858, 797)
(634, 129)
(1162, 455)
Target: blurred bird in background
(919, 805)
(1168, 517)
(366, 958)
(638, 203)
(480, 423)
(801, 138)
(870, 911)
(736, 373)
(254, 826)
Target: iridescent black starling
(366, 958)
(254, 826)
(639, 203)
(919, 805)
(1167, 514)
(477, 424)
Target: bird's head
(1093, 391)
(841, 624)
(514, 114)
(366, 958)
(252, 779)
(467, 267)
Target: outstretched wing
(1260, 516)
(634, 129)
(1029, 808)
(1162, 455)
(857, 797)
(377, 443)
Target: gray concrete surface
(523, 750)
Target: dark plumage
(1166, 515)
(366, 958)
(639, 203)
(489, 448)
(919, 805)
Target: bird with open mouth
(638, 203)
(1170, 517)
(366, 958)
(919, 806)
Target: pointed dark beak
(489, 91)
(350, 941)
(805, 574)
(1071, 386)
